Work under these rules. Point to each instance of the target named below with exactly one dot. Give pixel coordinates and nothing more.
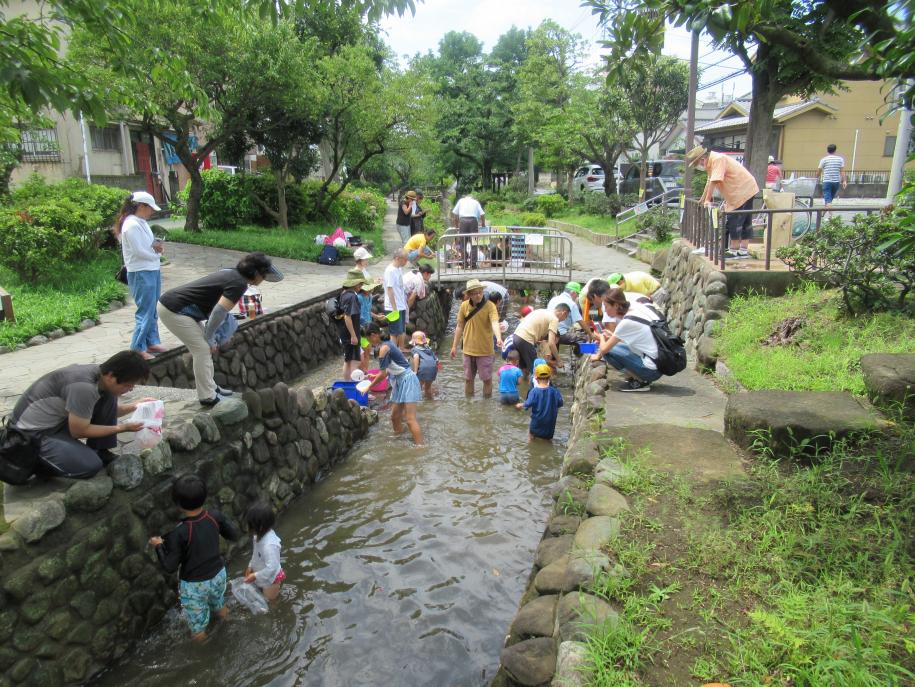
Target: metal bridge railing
(508, 251)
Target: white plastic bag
(249, 596)
(151, 414)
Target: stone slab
(890, 377)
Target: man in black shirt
(211, 298)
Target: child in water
(509, 376)
(192, 548)
(264, 568)
(544, 400)
(425, 362)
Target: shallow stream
(404, 565)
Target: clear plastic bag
(151, 414)
(249, 596)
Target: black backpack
(671, 353)
(18, 455)
(332, 307)
(329, 256)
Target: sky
(489, 19)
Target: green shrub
(104, 200)
(37, 240)
(225, 202)
(533, 219)
(495, 206)
(594, 203)
(358, 211)
(660, 221)
(853, 257)
(551, 205)
(697, 183)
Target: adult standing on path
(831, 172)
(395, 297)
(417, 217)
(141, 250)
(476, 327)
(468, 216)
(405, 216)
(737, 186)
(211, 298)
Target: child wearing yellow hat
(544, 400)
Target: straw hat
(473, 285)
(411, 195)
(694, 155)
(354, 277)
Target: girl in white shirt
(264, 568)
(141, 250)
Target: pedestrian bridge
(522, 257)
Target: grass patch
(796, 575)
(602, 224)
(656, 245)
(298, 243)
(824, 354)
(74, 293)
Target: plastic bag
(249, 596)
(151, 414)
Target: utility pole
(900, 152)
(691, 108)
(530, 170)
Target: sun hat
(354, 277)
(543, 372)
(419, 338)
(695, 154)
(411, 195)
(526, 310)
(573, 286)
(614, 278)
(473, 285)
(145, 198)
(369, 286)
(362, 254)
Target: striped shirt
(832, 166)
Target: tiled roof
(780, 115)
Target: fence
(505, 251)
(705, 227)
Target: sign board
(533, 239)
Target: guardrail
(704, 227)
(512, 251)
(662, 199)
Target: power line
(716, 82)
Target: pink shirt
(773, 173)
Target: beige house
(851, 119)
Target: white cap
(771, 159)
(362, 254)
(145, 198)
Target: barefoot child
(264, 568)
(192, 548)
(544, 400)
(509, 376)
(425, 362)
(405, 391)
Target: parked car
(588, 178)
(663, 175)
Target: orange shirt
(737, 184)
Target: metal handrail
(519, 253)
(662, 199)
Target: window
(39, 145)
(106, 138)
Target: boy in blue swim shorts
(192, 548)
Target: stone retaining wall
(544, 640)
(281, 346)
(79, 582)
(698, 301)
(594, 237)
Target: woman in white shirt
(141, 252)
(631, 347)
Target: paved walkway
(187, 262)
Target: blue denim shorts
(400, 326)
(830, 189)
(622, 358)
(200, 599)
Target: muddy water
(404, 566)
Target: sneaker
(731, 255)
(209, 402)
(224, 392)
(743, 254)
(107, 455)
(634, 385)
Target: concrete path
(188, 262)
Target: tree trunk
(643, 173)
(192, 220)
(487, 175)
(570, 175)
(531, 181)
(759, 128)
(282, 209)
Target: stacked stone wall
(78, 582)
(281, 346)
(698, 301)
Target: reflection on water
(404, 566)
